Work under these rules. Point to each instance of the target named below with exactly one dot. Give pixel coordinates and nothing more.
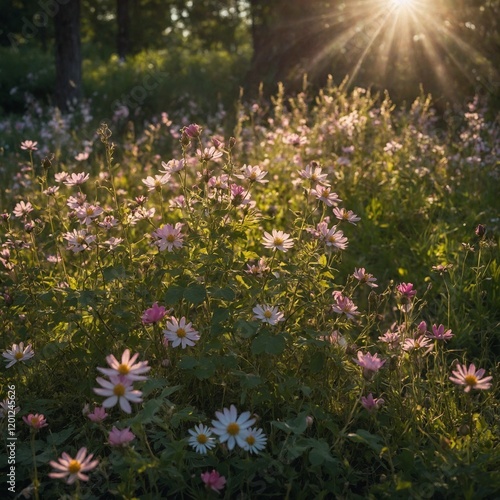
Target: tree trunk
(68, 54)
(286, 35)
(123, 21)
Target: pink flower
(119, 437)
(35, 421)
(209, 154)
(324, 194)
(252, 173)
(239, 195)
(370, 403)
(346, 215)
(192, 131)
(213, 480)
(333, 238)
(29, 145)
(470, 378)
(419, 344)
(364, 277)
(371, 364)
(22, 209)
(76, 179)
(344, 305)
(422, 328)
(314, 173)
(127, 367)
(153, 314)
(73, 468)
(277, 240)
(438, 333)
(168, 237)
(406, 290)
(98, 415)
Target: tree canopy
(450, 47)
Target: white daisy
(119, 390)
(18, 353)
(127, 367)
(255, 440)
(201, 439)
(277, 240)
(268, 314)
(180, 333)
(229, 427)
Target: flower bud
(480, 230)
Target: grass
(196, 244)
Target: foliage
(190, 235)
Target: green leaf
(246, 329)
(58, 438)
(146, 415)
(297, 425)
(195, 294)
(188, 363)
(223, 293)
(317, 362)
(87, 298)
(206, 369)
(365, 437)
(320, 453)
(52, 349)
(114, 273)
(153, 384)
(173, 294)
(268, 343)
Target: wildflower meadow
(301, 303)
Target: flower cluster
(119, 388)
(230, 429)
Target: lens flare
(400, 4)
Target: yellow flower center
(233, 429)
(267, 314)
(19, 355)
(181, 333)
(471, 380)
(171, 238)
(119, 390)
(332, 239)
(74, 466)
(34, 421)
(123, 369)
(201, 438)
(250, 440)
(278, 241)
(89, 211)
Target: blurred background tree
(449, 48)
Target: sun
(402, 4)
